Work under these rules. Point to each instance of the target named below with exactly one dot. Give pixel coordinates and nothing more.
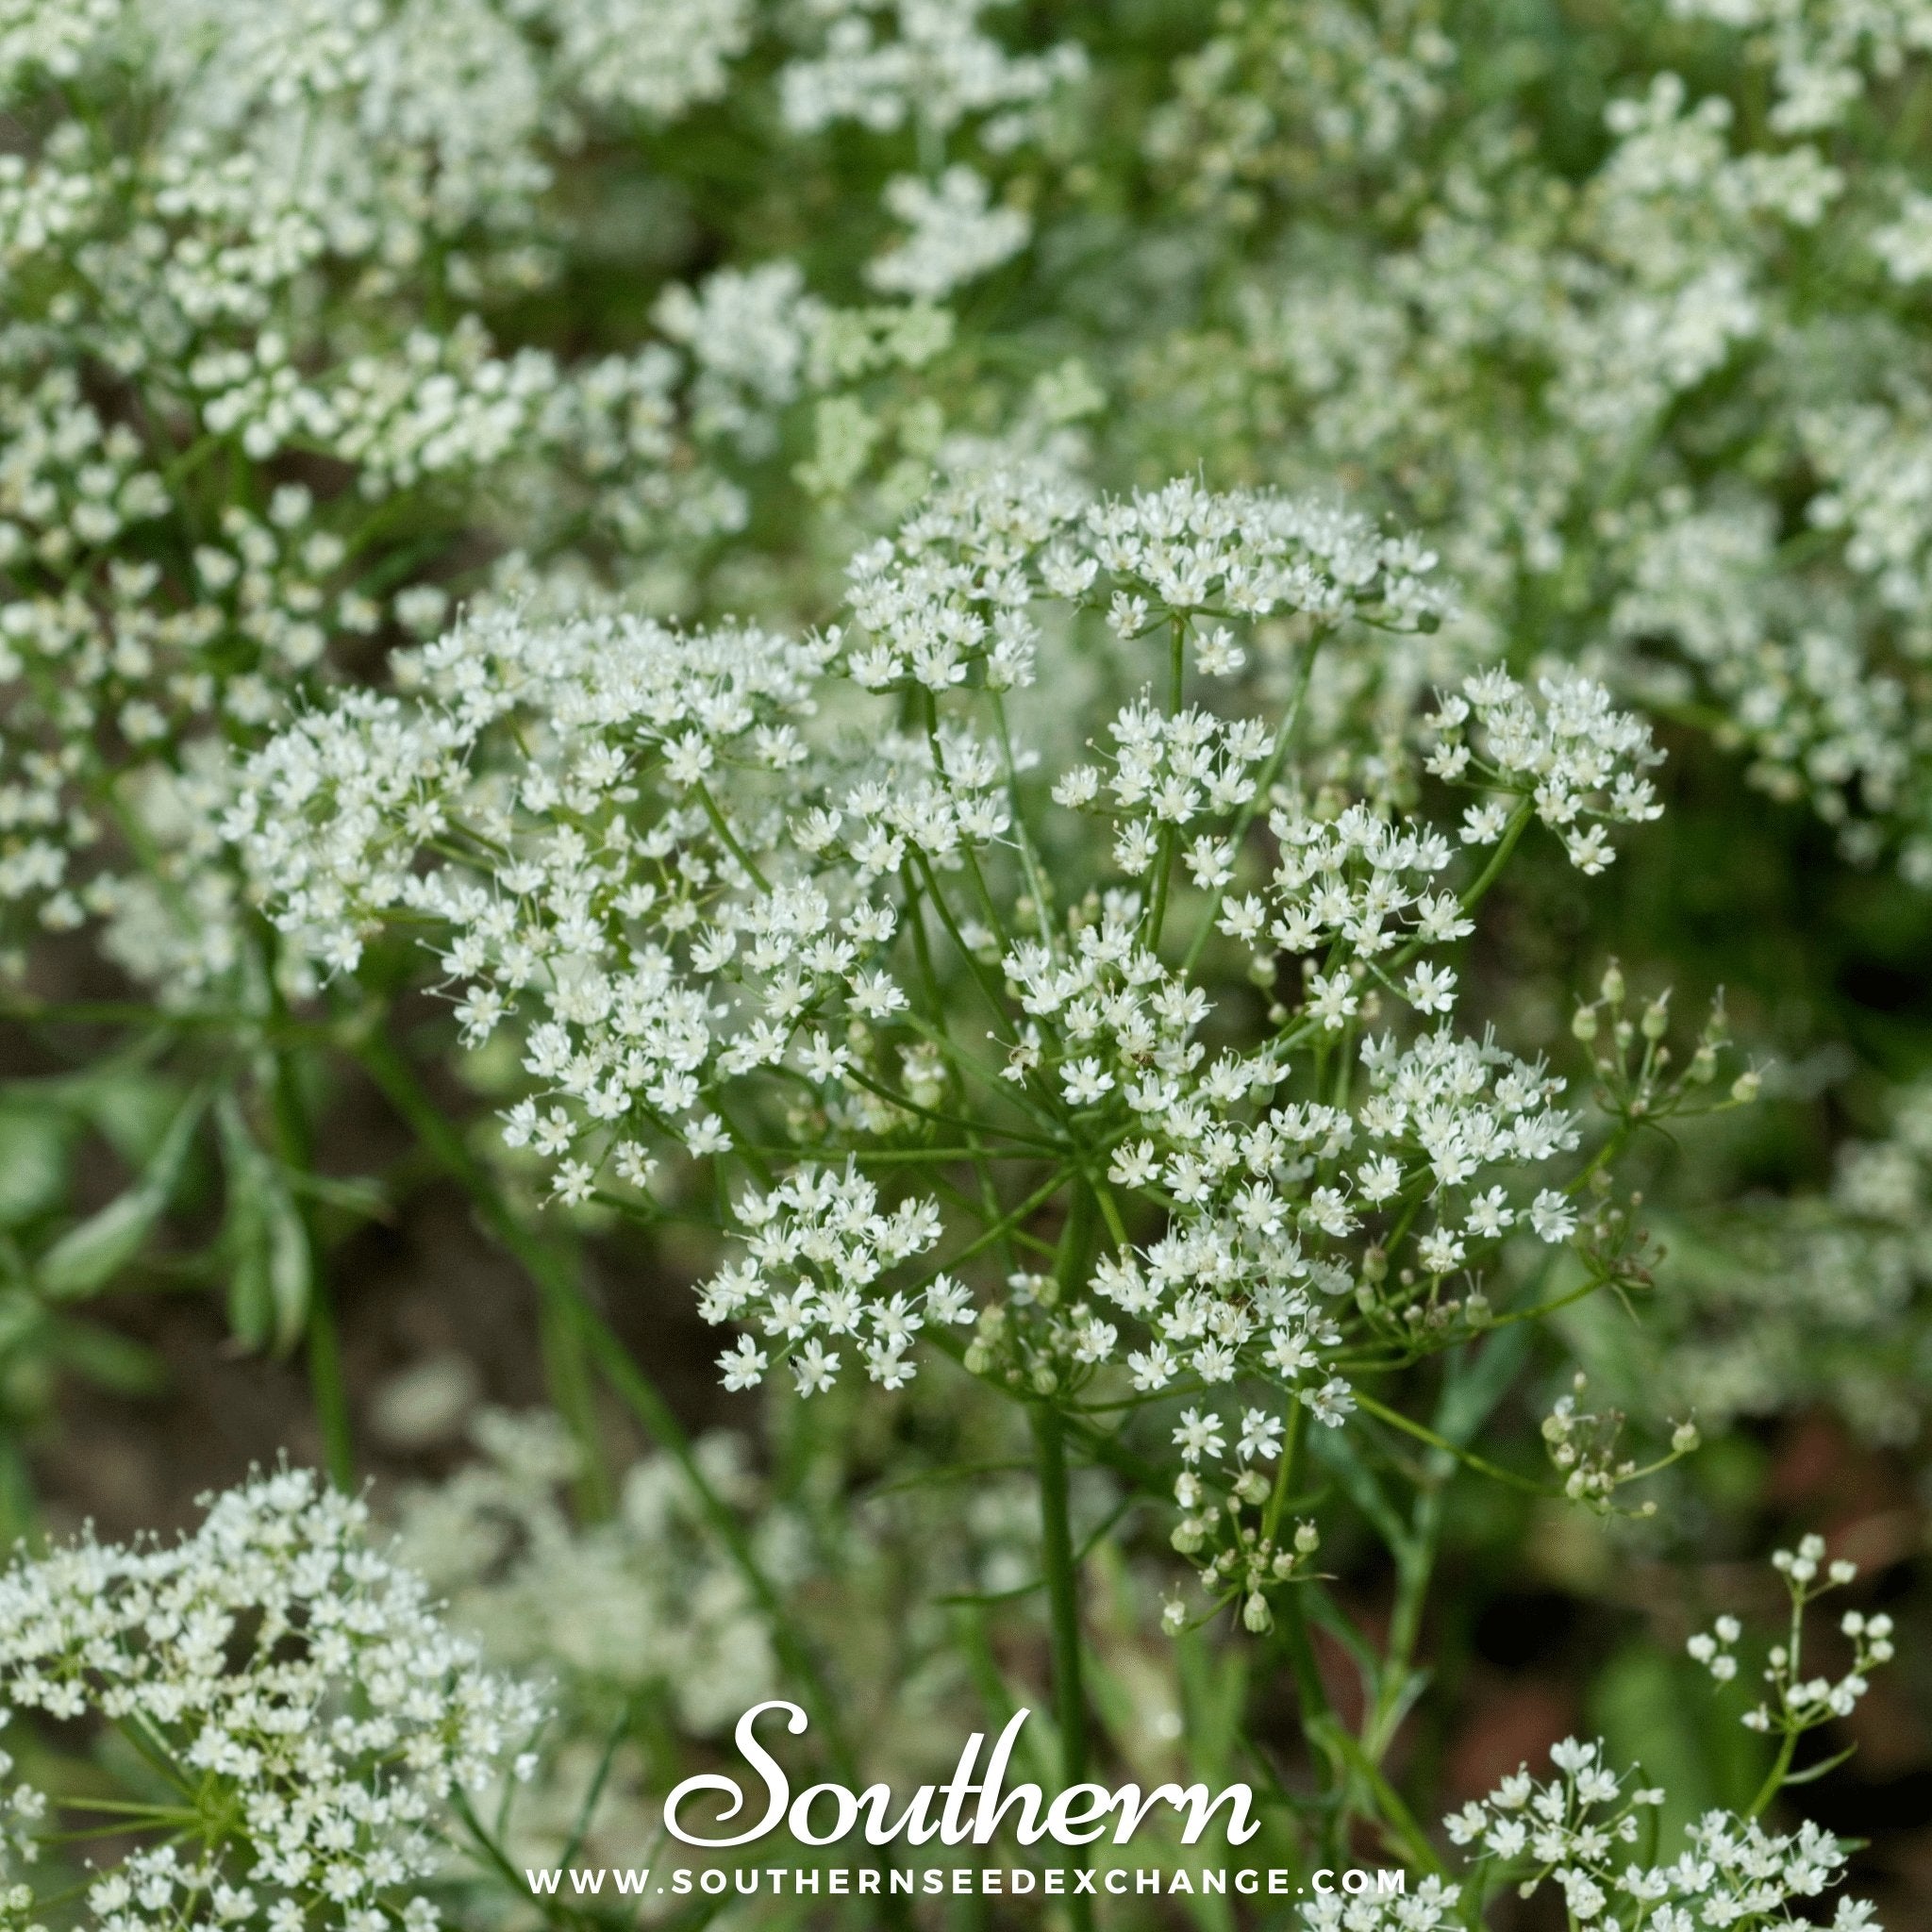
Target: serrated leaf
(87, 1257)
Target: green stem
(1519, 823)
(565, 1302)
(982, 976)
(1063, 1609)
(1774, 1778)
(327, 1387)
(1319, 1723)
(1395, 1418)
(1414, 1563)
(19, 1511)
(1029, 861)
(1163, 872)
(722, 826)
(568, 1377)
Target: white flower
(226, 1648)
(956, 236)
(1084, 1082)
(1431, 989)
(1198, 1436)
(1552, 1216)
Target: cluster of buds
(1584, 1447)
(1407, 1308)
(1035, 1343)
(1238, 1541)
(1633, 1059)
(1798, 1703)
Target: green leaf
(355, 1194)
(1825, 1766)
(130, 1108)
(1398, 1823)
(109, 1359)
(87, 1257)
(270, 1278)
(34, 1143)
(1337, 1450)
(290, 1277)
(1472, 1388)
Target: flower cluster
(1551, 356)
(814, 1246)
(1799, 1703)
(1249, 1550)
(681, 867)
(954, 588)
(227, 231)
(1578, 1829)
(1569, 1826)
(954, 235)
(1585, 1449)
(1576, 757)
(936, 67)
(298, 1681)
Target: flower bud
(1583, 1024)
(1044, 1380)
(1656, 1017)
(1613, 984)
(1257, 1615)
(1684, 1438)
(1307, 1539)
(1746, 1085)
(1703, 1064)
